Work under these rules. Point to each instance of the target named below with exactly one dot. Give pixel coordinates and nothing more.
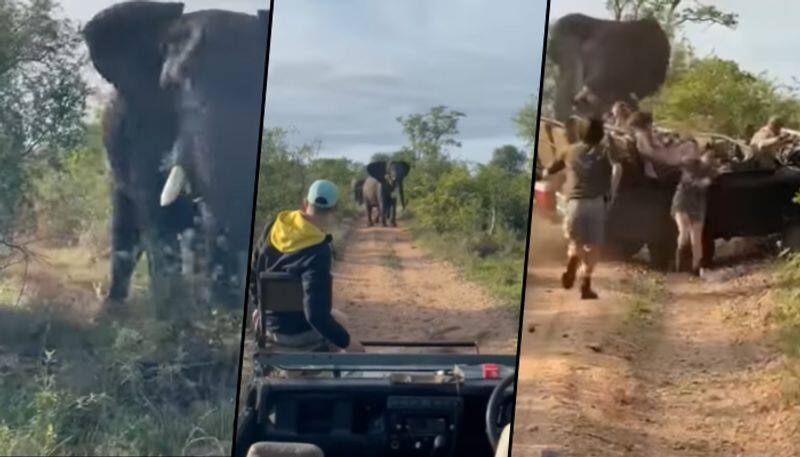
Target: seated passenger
(296, 243)
(766, 144)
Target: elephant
(139, 125)
(357, 188)
(378, 188)
(601, 62)
(195, 81)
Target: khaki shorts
(585, 220)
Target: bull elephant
(195, 81)
(378, 189)
(601, 62)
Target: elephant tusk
(173, 186)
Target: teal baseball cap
(323, 194)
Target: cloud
(344, 74)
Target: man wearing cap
(296, 242)
(766, 143)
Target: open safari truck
(742, 201)
(375, 404)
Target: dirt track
(392, 290)
(659, 366)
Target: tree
(283, 174)
(509, 159)
(42, 95)
(380, 156)
(431, 133)
(526, 121)
(671, 14)
(716, 95)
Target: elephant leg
(369, 215)
(393, 212)
(125, 246)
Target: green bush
(72, 202)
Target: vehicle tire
(662, 253)
(790, 238)
(622, 250)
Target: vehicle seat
(502, 443)
(269, 449)
(282, 292)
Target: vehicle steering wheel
(493, 431)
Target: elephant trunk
(402, 196)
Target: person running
(588, 165)
(689, 207)
(296, 242)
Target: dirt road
(393, 290)
(660, 366)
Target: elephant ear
(377, 170)
(124, 42)
(404, 167)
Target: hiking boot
(568, 277)
(586, 290)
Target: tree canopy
(42, 95)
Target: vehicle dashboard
(361, 413)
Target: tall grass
(787, 315)
(494, 262)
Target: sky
(81, 11)
(763, 41)
(342, 72)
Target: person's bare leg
(573, 262)
(590, 258)
(684, 238)
(696, 235)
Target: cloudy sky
(763, 41)
(342, 72)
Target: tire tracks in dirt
(393, 290)
(697, 377)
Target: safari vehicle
(375, 404)
(741, 203)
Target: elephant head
(126, 43)
(601, 62)
(391, 174)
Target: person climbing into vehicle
(588, 165)
(689, 206)
(296, 242)
(766, 144)
(666, 158)
(619, 115)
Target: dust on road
(693, 373)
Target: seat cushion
(266, 449)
